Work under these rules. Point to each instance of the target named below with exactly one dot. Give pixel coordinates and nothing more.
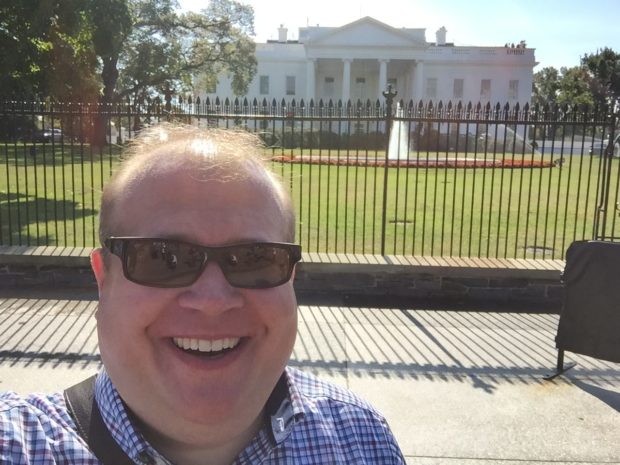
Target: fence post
(168, 100)
(604, 209)
(389, 95)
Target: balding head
(211, 155)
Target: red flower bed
(413, 163)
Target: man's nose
(211, 292)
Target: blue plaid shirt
(310, 422)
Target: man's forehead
(189, 187)
(199, 161)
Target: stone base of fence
(340, 278)
(402, 281)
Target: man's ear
(98, 265)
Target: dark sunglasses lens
(256, 266)
(162, 263)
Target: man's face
(177, 393)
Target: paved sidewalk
(456, 386)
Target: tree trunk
(109, 75)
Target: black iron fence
(382, 177)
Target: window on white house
(457, 91)
(211, 86)
(513, 89)
(264, 85)
(329, 86)
(431, 88)
(359, 92)
(485, 89)
(392, 82)
(290, 85)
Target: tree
(546, 86)
(147, 47)
(108, 49)
(167, 50)
(45, 50)
(574, 87)
(603, 68)
(111, 23)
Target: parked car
(49, 135)
(601, 147)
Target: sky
(561, 31)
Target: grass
(51, 197)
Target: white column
(382, 78)
(310, 79)
(418, 82)
(346, 80)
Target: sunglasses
(171, 263)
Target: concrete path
(457, 387)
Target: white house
(359, 60)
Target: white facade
(359, 60)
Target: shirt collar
(117, 418)
(283, 410)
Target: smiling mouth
(206, 346)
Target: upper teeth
(204, 345)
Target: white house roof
(366, 31)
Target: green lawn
(52, 198)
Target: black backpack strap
(82, 406)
